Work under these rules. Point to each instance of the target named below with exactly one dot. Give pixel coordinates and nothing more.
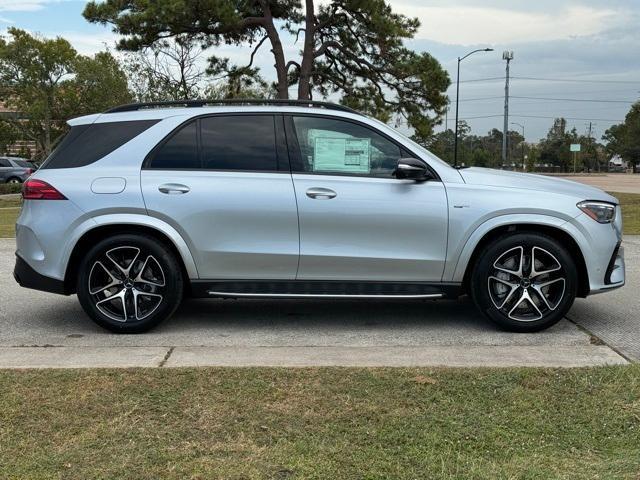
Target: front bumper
(27, 277)
(616, 270)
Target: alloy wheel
(127, 284)
(526, 283)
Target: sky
(579, 59)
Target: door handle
(321, 193)
(173, 188)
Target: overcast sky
(595, 44)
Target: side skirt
(322, 289)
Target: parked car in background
(147, 203)
(15, 169)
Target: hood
(531, 181)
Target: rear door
(224, 183)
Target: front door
(220, 181)
(357, 221)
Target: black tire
(13, 180)
(139, 299)
(531, 306)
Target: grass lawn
(630, 211)
(331, 423)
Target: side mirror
(412, 169)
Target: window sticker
(342, 155)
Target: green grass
(10, 188)
(331, 423)
(7, 221)
(630, 203)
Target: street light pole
(524, 169)
(455, 147)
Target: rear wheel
(13, 180)
(129, 283)
(524, 282)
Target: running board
(323, 289)
(315, 295)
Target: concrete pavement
(44, 330)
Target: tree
(555, 148)
(8, 136)
(354, 48)
(31, 71)
(167, 70)
(624, 139)
(44, 82)
(98, 84)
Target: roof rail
(131, 107)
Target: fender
(456, 267)
(138, 220)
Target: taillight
(38, 190)
(29, 171)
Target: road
(44, 330)
(611, 182)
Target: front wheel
(524, 282)
(129, 283)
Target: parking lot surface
(38, 329)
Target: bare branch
(253, 53)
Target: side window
(180, 151)
(338, 146)
(4, 162)
(240, 142)
(85, 144)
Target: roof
(229, 102)
(192, 108)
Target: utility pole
(508, 56)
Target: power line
(575, 99)
(480, 80)
(573, 118)
(553, 99)
(577, 80)
(550, 79)
(542, 117)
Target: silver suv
(146, 204)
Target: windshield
(24, 164)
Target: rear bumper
(27, 277)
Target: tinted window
(242, 142)
(338, 146)
(180, 150)
(85, 144)
(4, 163)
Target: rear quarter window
(86, 144)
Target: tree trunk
(277, 50)
(306, 66)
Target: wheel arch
(101, 231)
(553, 231)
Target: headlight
(601, 212)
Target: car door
(357, 221)
(224, 183)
